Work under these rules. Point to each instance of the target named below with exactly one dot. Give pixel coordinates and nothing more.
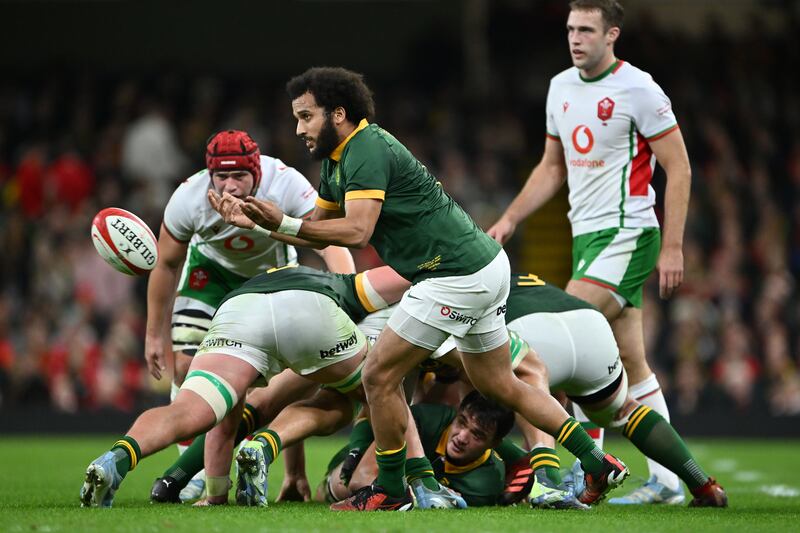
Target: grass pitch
(40, 477)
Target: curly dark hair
(334, 87)
(610, 9)
(489, 414)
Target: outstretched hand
(230, 208)
(265, 214)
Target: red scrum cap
(234, 150)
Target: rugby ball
(124, 241)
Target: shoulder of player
(565, 76)
(192, 189)
(634, 79)
(372, 137)
(276, 174)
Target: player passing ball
(373, 190)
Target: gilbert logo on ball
(124, 241)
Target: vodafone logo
(445, 311)
(239, 243)
(582, 139)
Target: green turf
(40, 478)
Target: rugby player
(374, 191)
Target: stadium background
(108, 103)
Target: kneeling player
(317, 340)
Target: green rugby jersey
(529, 294)
(341, 288)
(480, 482)
(421, 231)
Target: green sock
(128, 453)
(420, 468)
(509, 452)
(391, 470)
(575, 439)
(361, 436)
(547, 460)
(190, 461)
(271, 442)
(658, 440)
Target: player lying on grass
(573, 349)
(457, 442)
(302, 325)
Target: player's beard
(327, 141)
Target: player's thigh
(600, 297)
(283, 389)
(617, 259)
(491, 373)
(458, 305)
(393, 356)
(550, 336)
(315, 338)
(219, 380)
(597, 357)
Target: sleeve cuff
(326, 204)
(372, 194)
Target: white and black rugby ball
(124, 241)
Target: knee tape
(349, 383)
(217, 392)
(605, 417)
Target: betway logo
(340, 346)
(458, 317)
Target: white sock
(648, 392)
(581, 417)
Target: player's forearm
(297, 241)
(347, 232)
(676, 205)
(294, 460)
(542, 184)
(338, 259)
(160, 294)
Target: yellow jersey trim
(325, 204)
(372, 194)
(336, 155)
(450, 468)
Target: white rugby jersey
(604, 125)
(190, 218)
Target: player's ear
(612, 35)
(339, 115)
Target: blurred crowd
(71, 328)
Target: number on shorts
(531, 280)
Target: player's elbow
(359, 237)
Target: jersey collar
(615, 66)
(336, 155)
(450, 468)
